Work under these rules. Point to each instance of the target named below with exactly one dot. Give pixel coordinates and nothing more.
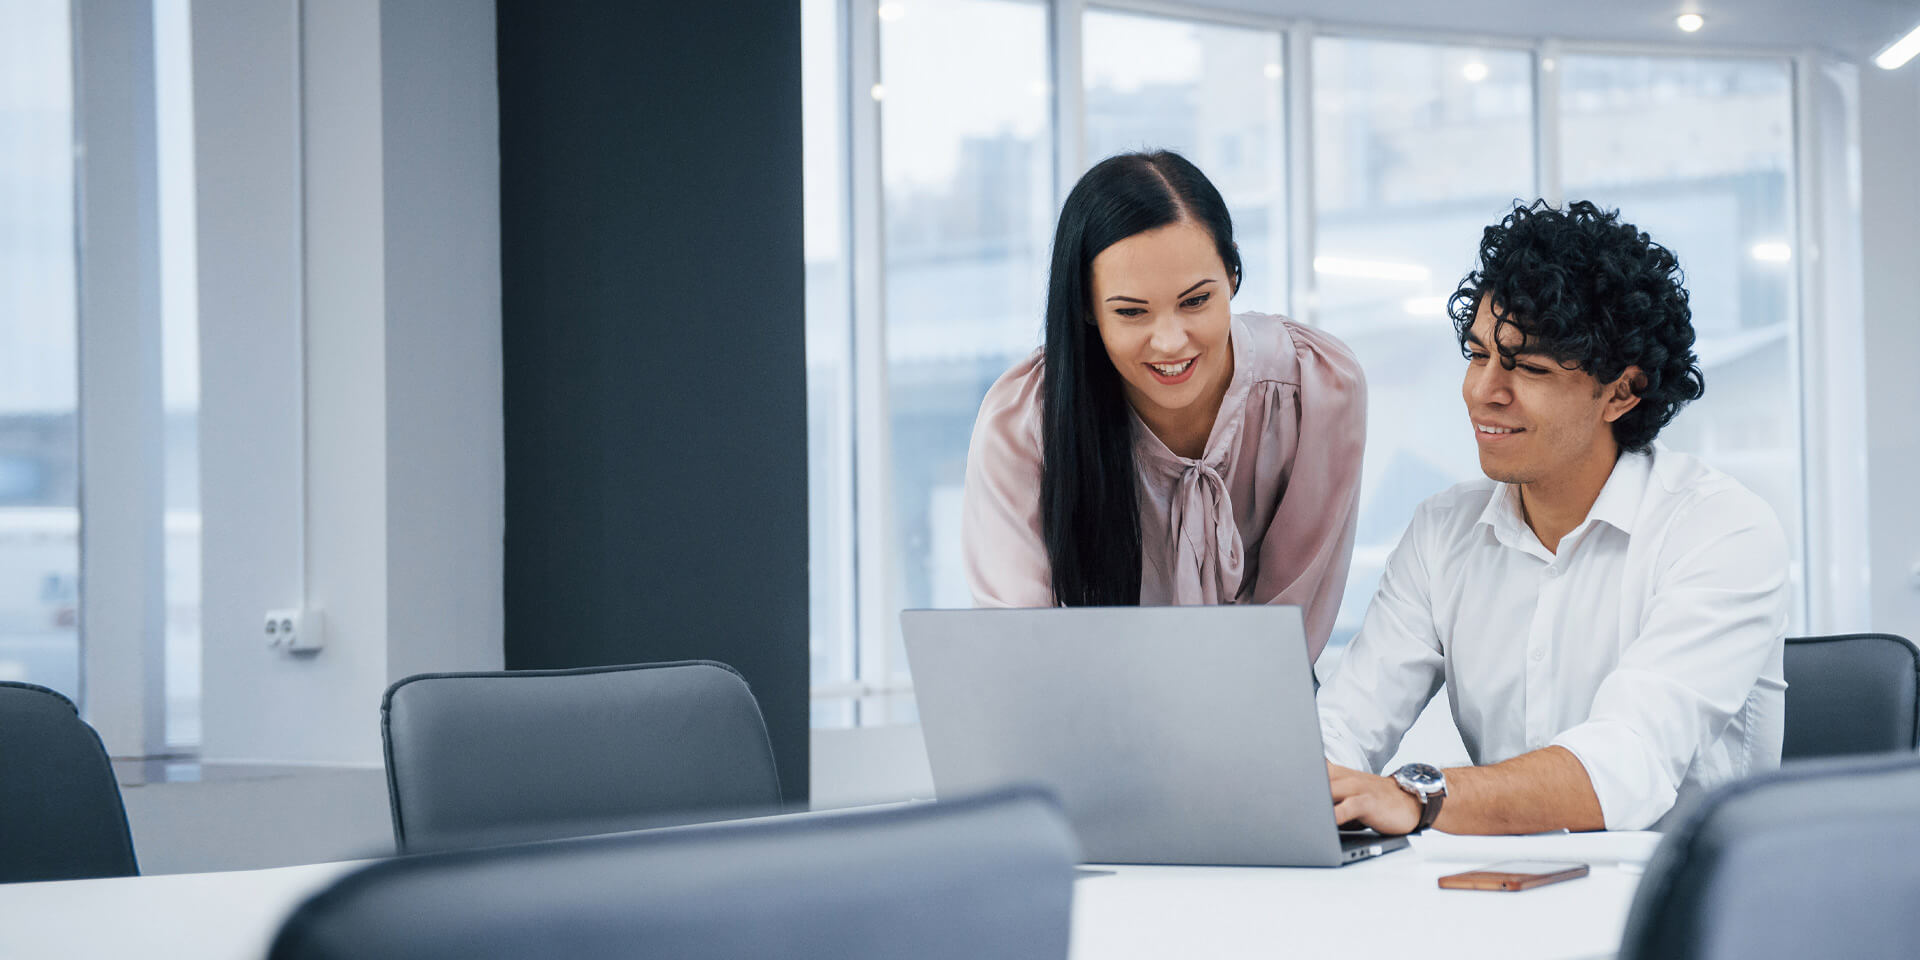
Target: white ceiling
(1851, 29)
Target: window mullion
(1548, 176)
(122, 541)
(871, 448)
(1298, 77)
(1065, 37)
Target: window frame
(1829, 592)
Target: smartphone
(1514, 875)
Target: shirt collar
(1619, 501)
(1617, 505)
(1501, 515)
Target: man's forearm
(1532, 793)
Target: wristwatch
(1428, 785)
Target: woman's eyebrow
(1181, 295)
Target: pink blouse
(1265, 516)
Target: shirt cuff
(1628, 777)
(1341, 749)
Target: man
(1608, 615)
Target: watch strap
(1429, 809)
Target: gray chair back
(503, 757)
(1848, 694)
(988, 876)
(60, 811)
(1813, 860)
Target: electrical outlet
(294, 630)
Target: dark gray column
(653, 342)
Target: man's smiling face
(1536, 419)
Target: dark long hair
(1089, 507)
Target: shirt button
(1539, 655)
(1551, 572)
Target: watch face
(1421, 776)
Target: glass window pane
(967, 170)
(39, 504)
(1215, 95)
(829, 370)
(1417, 148)
(180, 366)
(1699, 154)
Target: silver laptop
(1171, 734)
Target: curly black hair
(1588, 289)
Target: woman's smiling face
(1160, 299)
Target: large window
(967, 172)
(42, 273)
(1699, 153)
(1416, 148)
(1360, 178)
(39, 470)
(1214, 94)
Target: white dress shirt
(1649, 645)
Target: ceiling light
(1273, 71)
(879, 92)
(1690, 22)
(1771, 252)
(1474, 72)
(1425, 306)
(892, 12)
(1902, 50)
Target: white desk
(1376, 908)
(1371, 909)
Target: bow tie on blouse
(1208, 563)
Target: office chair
(988, 876)
(60, 811)
(1853, 693)
(1813, 860)
(503, 757)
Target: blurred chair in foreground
(486, 758)
(1853, 693)
(60, 811)
(1813, 860)
(988, 876)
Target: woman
(1159, 449)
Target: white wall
(249, 818)
(247, 193)
(401, 362)
(1890, 245)
(445, 454)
